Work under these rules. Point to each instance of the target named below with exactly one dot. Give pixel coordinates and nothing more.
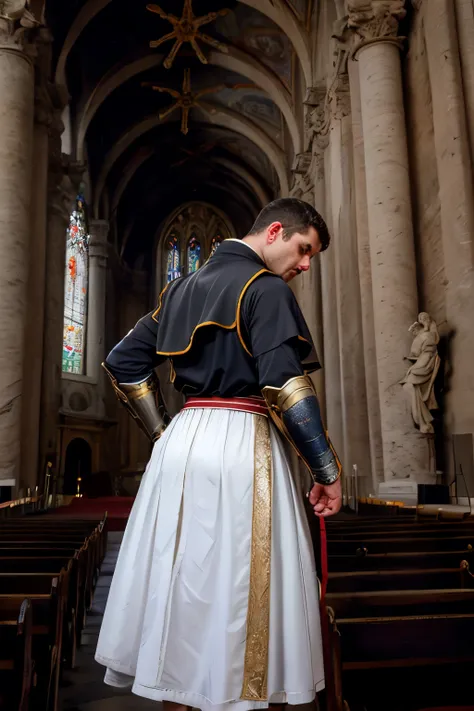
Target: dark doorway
(78, 464)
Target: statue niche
(419, 379)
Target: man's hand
(326, 500)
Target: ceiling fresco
(260, 37)
(166, 120)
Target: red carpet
(117, 507)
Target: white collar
(233, 239)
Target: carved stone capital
(375, 20)
(18, 28)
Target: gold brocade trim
(254, 686)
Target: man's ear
(273, 231)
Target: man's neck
(254, 243)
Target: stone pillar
(332, 365)
(95, 346)
(344, 245)
(392, 252)
(16, 139)
(465, 29)
(307, 287)
(457, 208)
(62, 182)
(320, 205)
(316, 135)
(45, 96)
(365, 280)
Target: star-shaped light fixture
(185, 100)
(186, 29)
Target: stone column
(62, 182)
(317, 138)
(465, 28)
(45, 96)
(332, 364)
(344, 245)
(365, 280)
(457, 207)
(16, 138)
(307, 287)
(95, 345)
(392, 252)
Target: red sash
(253, 405)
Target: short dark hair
(295, 216)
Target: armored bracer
(143, 402)
(294, 408)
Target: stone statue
(418, 382)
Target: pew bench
(368, 580)
(435, 653)
(46, 632)
(399, 560)
(16, 662)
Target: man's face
(288, 258)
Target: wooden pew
(16, 663)
(398, 561)
(30, 576)
(430, 579)
(55, 562)
(47, 597)
(400, 545)
(435, 654)
(389, 603)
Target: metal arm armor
(295, 410)
(143, 402)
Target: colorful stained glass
(194, 254)
(173, 262)
(215, 243)
(75, 291)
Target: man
(214, 600)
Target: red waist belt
(254, 405)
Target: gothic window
(173, 262)
(75, 292)
(194, 254)
(215, 243)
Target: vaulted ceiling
(236, 146)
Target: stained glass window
(194, 254)
(75, 291)
(173, 265)
(215, 243)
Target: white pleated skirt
(214, 602)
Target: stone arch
(236, 61)
(217, 116)
(282, 16)
(241, 172)
(77, 462)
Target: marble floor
(83, 688)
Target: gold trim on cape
(255, 680)
(234, 324)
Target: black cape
(213, 297)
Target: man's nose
(304, 264)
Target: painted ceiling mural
(256, 34)
(208, 132)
